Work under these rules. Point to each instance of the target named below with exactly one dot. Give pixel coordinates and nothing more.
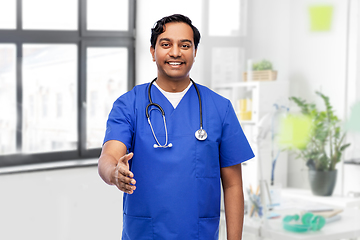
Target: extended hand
(123, 177)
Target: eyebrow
(182, 41)
(164, 39)
(186, 40)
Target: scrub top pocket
(137, 228)
(209, 228)
(207, 159)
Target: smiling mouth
(175, 63)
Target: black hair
(159, 28)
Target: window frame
(82, 39)
(209, 42)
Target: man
(176, 194)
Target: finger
(120, 176)
(124, 183)
(126, 180)
(123, 170)
(126, 188)
(122, 187)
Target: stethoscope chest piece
(201, 134)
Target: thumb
(124, 159)
(124, 165)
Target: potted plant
(262, 71)
(324, 147)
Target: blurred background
(63, 64)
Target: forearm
(234, 211)
(106, 165)
(111, 152)
(234, 201)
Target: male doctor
(170, 178)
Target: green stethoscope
(199, 134)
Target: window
(51, 14)
(49, 125)
(106, 80)
(107, 15)
(8, 98)
(7, 14)
(224, 39)
(228, 24)
(59, 76)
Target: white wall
(353, 97)
(317, 59)
(317, 62)
(269, 34)
(67, 204)
(268, 38)
(310, 61)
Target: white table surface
(348, 227)
(334, 200)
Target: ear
(152, 51)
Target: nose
(175, 51)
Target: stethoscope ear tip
(170, 145)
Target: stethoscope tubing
(200, 104)
(159, 108)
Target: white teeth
(174, 63)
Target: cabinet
(265, 98)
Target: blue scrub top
(177, 192)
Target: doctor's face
(174, 52)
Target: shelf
(263, 96)
(235, 84)
(355, 161)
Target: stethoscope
(199, 134)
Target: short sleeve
(120, 124)
(234, 146)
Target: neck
(177, 85)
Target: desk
(347, 227)
(306, 195)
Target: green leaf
(343, 147)
(263, 65)
(325, 146)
